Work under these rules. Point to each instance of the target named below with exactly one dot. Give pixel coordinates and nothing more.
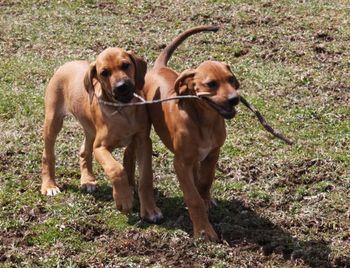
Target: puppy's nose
(123, 90)
(122, 87)
(233, 101)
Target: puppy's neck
(200, 112)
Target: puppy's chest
(122, 129)
(203, 152)
(118, 137)
(208, 142)
(126, 118)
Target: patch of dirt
(323, 55)
(323, 36)
(5, 159)
(289, 173)
(89, 231)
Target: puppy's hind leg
(52, 126)
(87, 179)
(129, 160)
(206, 176)
(148, 209)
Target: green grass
(277, 206)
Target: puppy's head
(215, 82)
(120, 73)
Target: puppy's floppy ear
(236, 83)
(184, 83)
(140, 69)
(227, 66)
(88, 80)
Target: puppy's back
(66, 86)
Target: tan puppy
(78, 88)
(194, 130)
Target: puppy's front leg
(148, 208)
(122, 191)
(196, 205)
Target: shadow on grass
(103, 192)
(236, 224)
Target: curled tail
(165, 55)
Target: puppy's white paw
(89, 187)
(52, 191)
(155, 217)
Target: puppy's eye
(105, 73)
(125, 66)
(212, 84)
(231, 80)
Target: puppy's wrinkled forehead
(112, 58)
(212, 70)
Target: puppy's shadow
(102, 193)
(238, 224)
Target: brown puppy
(194, 130)
(78, 88)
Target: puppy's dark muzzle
(124, 91)
(227, 109)
(233, 101)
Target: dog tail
(165, 55)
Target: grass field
(277, 205)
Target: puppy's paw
(88, 183)
(153, 215)
(89, 187)
(208, 234)
(124, 199)
(50, 191)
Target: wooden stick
(264, 123)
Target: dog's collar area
(144, 102)
(118, 104)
